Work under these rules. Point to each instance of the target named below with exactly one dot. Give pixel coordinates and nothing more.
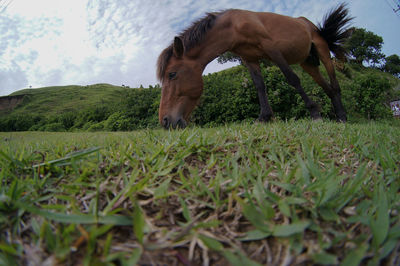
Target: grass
(284, 193)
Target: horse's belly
(249, 52)
(294, 52)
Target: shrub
(53, 127)
(141, 108)
(19, 122)
(98, 113)
(367, 96)
(117, 122)
(67, 119)
(96, 127)
(228, 96)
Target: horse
(281, 39)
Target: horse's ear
(179, 48)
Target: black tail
(335, 30)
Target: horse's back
(265, 30)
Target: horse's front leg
(255, 72)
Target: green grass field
(283, 193)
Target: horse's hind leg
(334, 94)
(294, 80)
(332, 89)
(266, 110)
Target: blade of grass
(7, 248)
(354, 257)
(254, 216)
(351, 188)
(211, 243)
(380, 225)
(138, 223)
(238, 259)
(290, 229)
(255, 235)
(76, 218)
(69, 158)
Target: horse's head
(182, 85)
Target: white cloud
(10, 78)
(54, 42)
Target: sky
(81, 42)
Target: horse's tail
(335, 30)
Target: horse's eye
(172, 75)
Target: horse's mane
(191, 37)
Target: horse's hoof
(317, 119)
(258, 120)
(264, 118)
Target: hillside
(56, 100)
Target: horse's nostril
(165, 122)
(181, 123)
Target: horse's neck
(213, 46)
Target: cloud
(45, 43)
(13, 77)
(17, 55)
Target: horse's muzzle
(167, 123)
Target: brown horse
(252, 36)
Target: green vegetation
(229, 96)
(296, 192)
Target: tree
(232, 57)
(229, 57)
(365, 47)
(392, 65)
(368, 95)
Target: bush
(53, 127)
(67, 119)
(140, 108)
(284, 99)
(228, 96)
(117, 122)
(19, 122)
(98, 113)
(96, 127)
(367, 96)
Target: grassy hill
(56, 100)
(282, 193)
